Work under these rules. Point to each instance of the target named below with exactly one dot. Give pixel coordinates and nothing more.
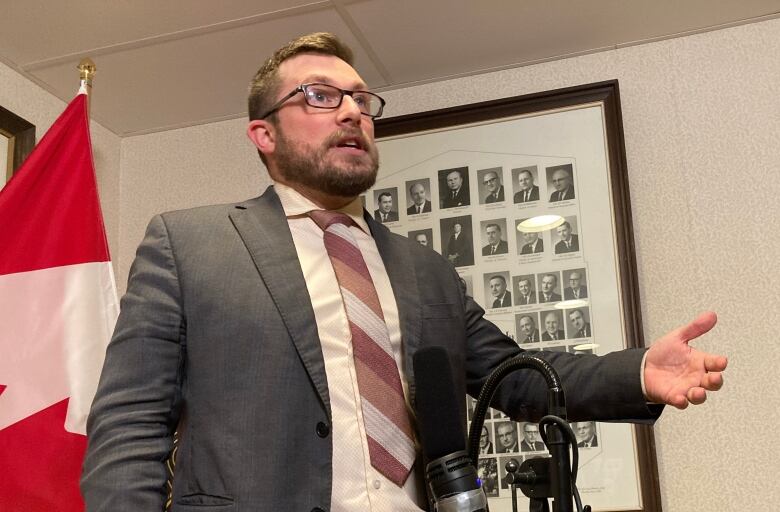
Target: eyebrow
(322, 79)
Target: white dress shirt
(357, 486)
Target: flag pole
(87, 70)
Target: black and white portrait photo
(548, 287)
(454, 187)
(528, 242)
(418, 196)
(386, 201)
(486, 441)
(491, 185)
(585, 431)
(497, 294)
(565, 238)
(552, 325)
(527, 327)
(456, 242)
(524, 289)
(487, 471)
(532, 440)
(575, 283)
(524, 184)
(422, 237)
(506, 435)
(493, 233)
(560, 180)
(578, 323)
(502, 468)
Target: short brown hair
(265, 84)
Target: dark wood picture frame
(21, 138)
(607, 94)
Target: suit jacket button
(323, 429)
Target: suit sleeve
(602, 388)
(135, 410)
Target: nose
(349, 111)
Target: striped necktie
(388, 428)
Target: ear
(263, 135)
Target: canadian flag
(58, 307)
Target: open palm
(677, 374)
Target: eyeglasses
(330, 97)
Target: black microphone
(451, 477)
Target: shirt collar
(296, 205)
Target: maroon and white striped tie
(388, 428)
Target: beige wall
(701, 120)
(27, 100)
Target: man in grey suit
(233, 331)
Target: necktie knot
(326, 218)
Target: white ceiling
(173, 63)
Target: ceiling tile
(434, 39)
(63, 28)
(193, 80)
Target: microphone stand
(539, 479)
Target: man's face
(421, 239)
(493, 235)
(525, 180)
(530, 237)
(386, 204)
(418, 194)
(456, 228)
(561, 180)
(524, 286)
(497, 287)
(527, 325)
(548, 284)
(454, 180)
(551, 323)
(584, 430)
(506, 435)
(331, 152)
(576, 319)
(574, 279)
(491, 182)
(483, 438)
(564, 231)
(531, 433)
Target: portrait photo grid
(532, 284)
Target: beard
(313, 167)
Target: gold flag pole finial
(87, 70)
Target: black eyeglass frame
(344, 92)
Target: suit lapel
(263, 227)
(403, 279)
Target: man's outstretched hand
(677, 374)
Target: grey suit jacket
(217, 338)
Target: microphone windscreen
(438, 409)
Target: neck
(322, 199)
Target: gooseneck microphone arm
(558, 480)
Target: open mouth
(353, 142)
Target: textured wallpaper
(701, 120)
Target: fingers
(701, 324)
(712, 381)
(715, 363)
(696, 396)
